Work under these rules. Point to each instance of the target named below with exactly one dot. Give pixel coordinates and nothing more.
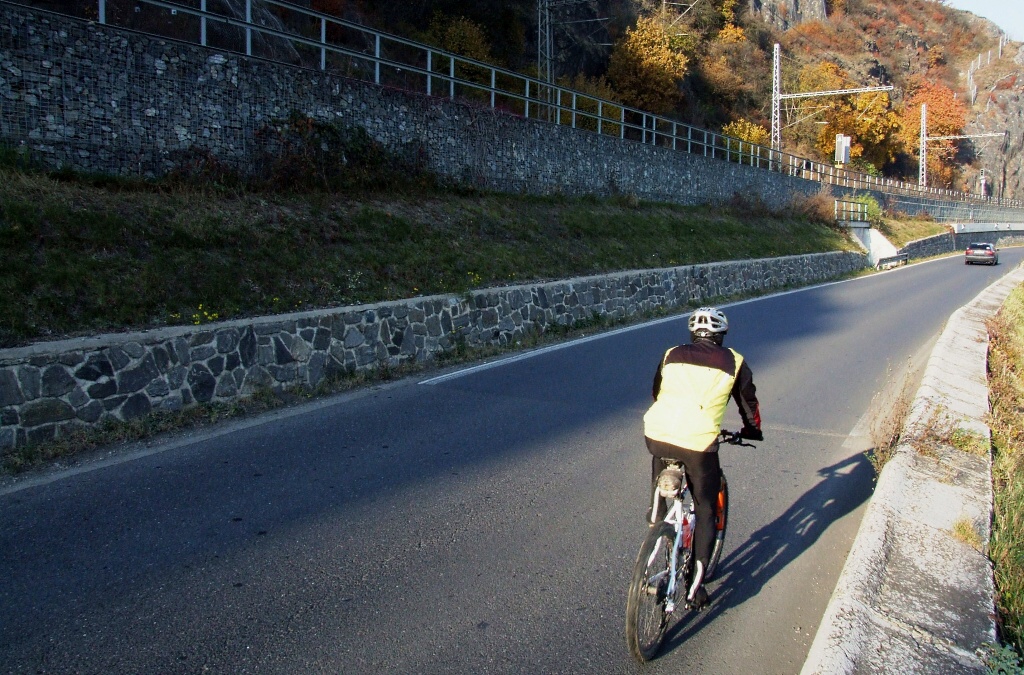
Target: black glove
(751, 433)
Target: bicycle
(665, 561)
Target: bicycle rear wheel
(646, 620)
(721, 521)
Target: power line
(778, 96)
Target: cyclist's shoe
(699, 600)
(695, 587)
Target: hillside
(921, 47)
(999, 107)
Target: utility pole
(776, 101)
(546, 37)
(922, 170)
(778, 96)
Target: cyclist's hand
(751, 433)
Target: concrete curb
(912, 598)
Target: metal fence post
(323, 41)
(600, 116)
(493, 80)
(376, 56)
(202, 23)
(675, 134)
(451, 76)
(527, 96)
(101, 11)
(248, 30)
(622, 122)
(574, 110)
(430, 69)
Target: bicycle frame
(682, 522)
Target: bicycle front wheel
(646, 619)
(721, 520)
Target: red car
(981, 253)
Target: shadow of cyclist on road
(744, 571)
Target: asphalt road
(485, 523)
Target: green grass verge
(1006, 386)
(901, 232)
(84, 255)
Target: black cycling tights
(705, 477)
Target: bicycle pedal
(700, 602)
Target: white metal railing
(389, 60)
(850, 212)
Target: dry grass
(887, 427)
(943, 430)
(1006, 393)
(965, 531)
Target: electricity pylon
(922, 169)
(545, 36)
(778, 96)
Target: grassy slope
(80, 258)
(902, 232)
(1006, 386)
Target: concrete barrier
(912, 597)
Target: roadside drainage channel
(913, 598)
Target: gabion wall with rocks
(940, 244)
(48, 388)
(105, 100)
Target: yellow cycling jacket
(692, 389)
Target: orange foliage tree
(866, 118)
(947, 116)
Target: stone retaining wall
(100, 99)
(105, 100)
(949, 242)
(47, 388)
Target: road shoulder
(914, 597)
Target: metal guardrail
(850, 212)
(353, 50)
(892, 261)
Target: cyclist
(692, 388)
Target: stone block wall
(940, 244)
(105, 100)
(48, 388)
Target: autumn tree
(459, 35)
(644, 68)
(868, 119)
(730, 33)
(725, 72)
(599, 88)
(747, 131)
(947, 116)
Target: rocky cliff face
(784, 14)
(999, 107)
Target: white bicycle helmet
(707, 322)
